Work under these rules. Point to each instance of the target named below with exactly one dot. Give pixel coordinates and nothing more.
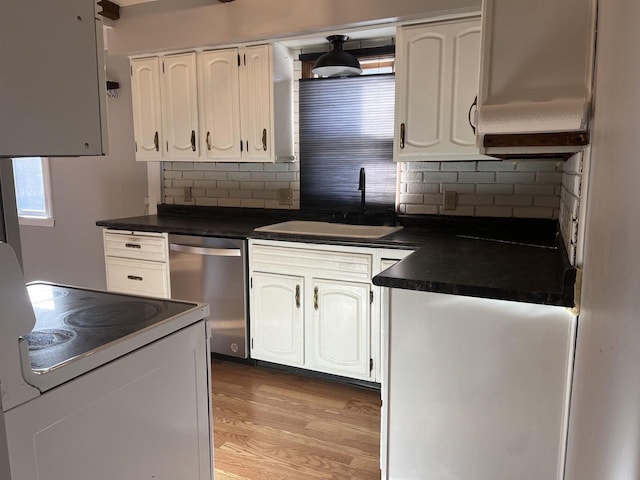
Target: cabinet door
(436, 83)
(257, 104)
(180, 106)
(220, 105)
(147, 110)
(276, 318)
(341, 328)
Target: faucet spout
(362, 188)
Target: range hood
(536, 77)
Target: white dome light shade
(337, 62)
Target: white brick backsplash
(181, 183)
(421, 210)
(572, 183)
(227, 166)
(535, 189)
(433, 199)
(422, 166)
(229, 202)
(546, 201)
(416, 187)
(411, 176)
(239, 176)
(198, 192)
(574, 164)
(411, 198)
(458, 166)
(252, 203)
(171, 174)
(496, 166)
(514, 200)
(266, 194)
(539, 165)
(263, 176)
(217, 193)
(251, 185)
(215, 175)
(240, 194)
(440, 177)
(287, 177)
(251, 167)
(276, 167)
(570, 202)
(516, 177)
(476, 177)
(495, 188)
(475, 199)
(548, 177)
(193, 174)
(457, 187)
(205, 183)
(228, 185)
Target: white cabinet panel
(341, 328)
(220, 104)
(276, 318)
(147, 109)
(437, 69)
(257, 103)
(180, 100)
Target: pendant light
(337, 63)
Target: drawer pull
(297, 296)
(315, 298)
(132, 245)
(135, 277)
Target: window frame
(48, 219)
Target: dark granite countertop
(492, 258)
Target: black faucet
(362, 188)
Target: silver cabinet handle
(193, 140)
(315, 298)
(402, 127)
(297, 296)
(216, 252)
(156, 143)
(132, 245)
(135, 277)
(474, 104)
(264, 139)
(208, 140)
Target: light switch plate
(450, 200)
(285, 196)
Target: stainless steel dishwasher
(213, 270)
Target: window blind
(346, 124)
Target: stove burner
(112, 315)
(40, 339)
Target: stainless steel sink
(326, 229)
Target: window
(347, 124)
(33, 192)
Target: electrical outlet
(450, 200)
(187, 194)
(285, 196)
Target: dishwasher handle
(215, 252)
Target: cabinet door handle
(135, 277)
(474, 104)
(208, 140)
(402, 135)
(132, 245)
(156, 142)
(315, 298)
(193, 140)
(264, 139)
(297, 296)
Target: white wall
(604, 425)
(87, 189)
(178, 24)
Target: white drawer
(318, 263)
(136, 245)
(137, 277)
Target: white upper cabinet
(536, 75)
(232, 105)
(437, 69)
(218, 75)
(257, 103)
(52, 77)
(147, 109)
(180, 106)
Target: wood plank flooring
(273, 425)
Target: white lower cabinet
(137, 263)
(341, 328)
(313, 306)
(277, 333)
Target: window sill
(36, 221)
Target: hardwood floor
(272, 425)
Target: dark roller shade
(346, 124)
